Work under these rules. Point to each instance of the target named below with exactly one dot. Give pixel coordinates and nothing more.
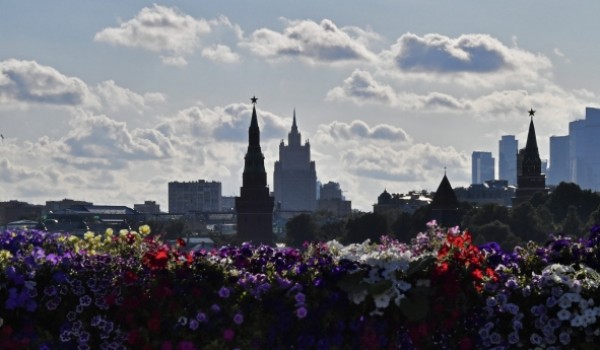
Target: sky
(109, 101)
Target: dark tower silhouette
(529, 168)
(444, 207)
(254, 206)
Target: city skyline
(109, 103)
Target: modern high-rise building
(530, 178)
(559, 169)
(198, 196)
(254, 206)
(575, 157)
(508, 147)
(295, 177)
(584, 146)
(482, 167)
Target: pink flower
(228, 334)
(186, 345)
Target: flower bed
(128, 290)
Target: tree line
(567, 210)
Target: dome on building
(384, 197)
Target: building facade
(149, 207)
(530, 178)
(482, 167)
(254, 206)
(196, 196)
(491, 191)
(508, 147)
(295, 176)
(332, 200)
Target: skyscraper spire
(294, 137)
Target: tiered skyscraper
(295, 177)
(254, 206)
(508, 147)
(529, 168)
(482, 167)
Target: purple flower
(301, 312)
(215, 308)
(201, 317)
(224, 292)
(238, 319)
(300, 298)
(193, 324)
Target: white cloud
(228, 124)
(470, 61)
(312, 42)
(172, 33)
(477, 53)
(113, 97)
(158, 29)
(361, 88)
(360, 131)
(220, 53)
(366, 159)
(27, 82)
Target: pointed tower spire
(294, 126)
(254, 206)
(530, 179)
(294, 137)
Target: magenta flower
(228, 334)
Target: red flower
(154, 323)
(133, 337)
(466, 344)
(157, 260)
(477, 274)
(181, 242)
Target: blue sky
(109, 101)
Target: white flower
(382, 300)
(564, 315)
(403, 286)
(577, 321)
(358, 297)
(423, 283)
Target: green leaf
(380, 287)
(415, 307)
(352, 282)
(420, 265)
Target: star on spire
(531, 112)
(254, 99)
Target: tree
(485, 214)
(571, 225)
(500, 233)
(525, 223)
(366, 226)
(594, 218)
(299, 229)
(401, 227)
(567, 194)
